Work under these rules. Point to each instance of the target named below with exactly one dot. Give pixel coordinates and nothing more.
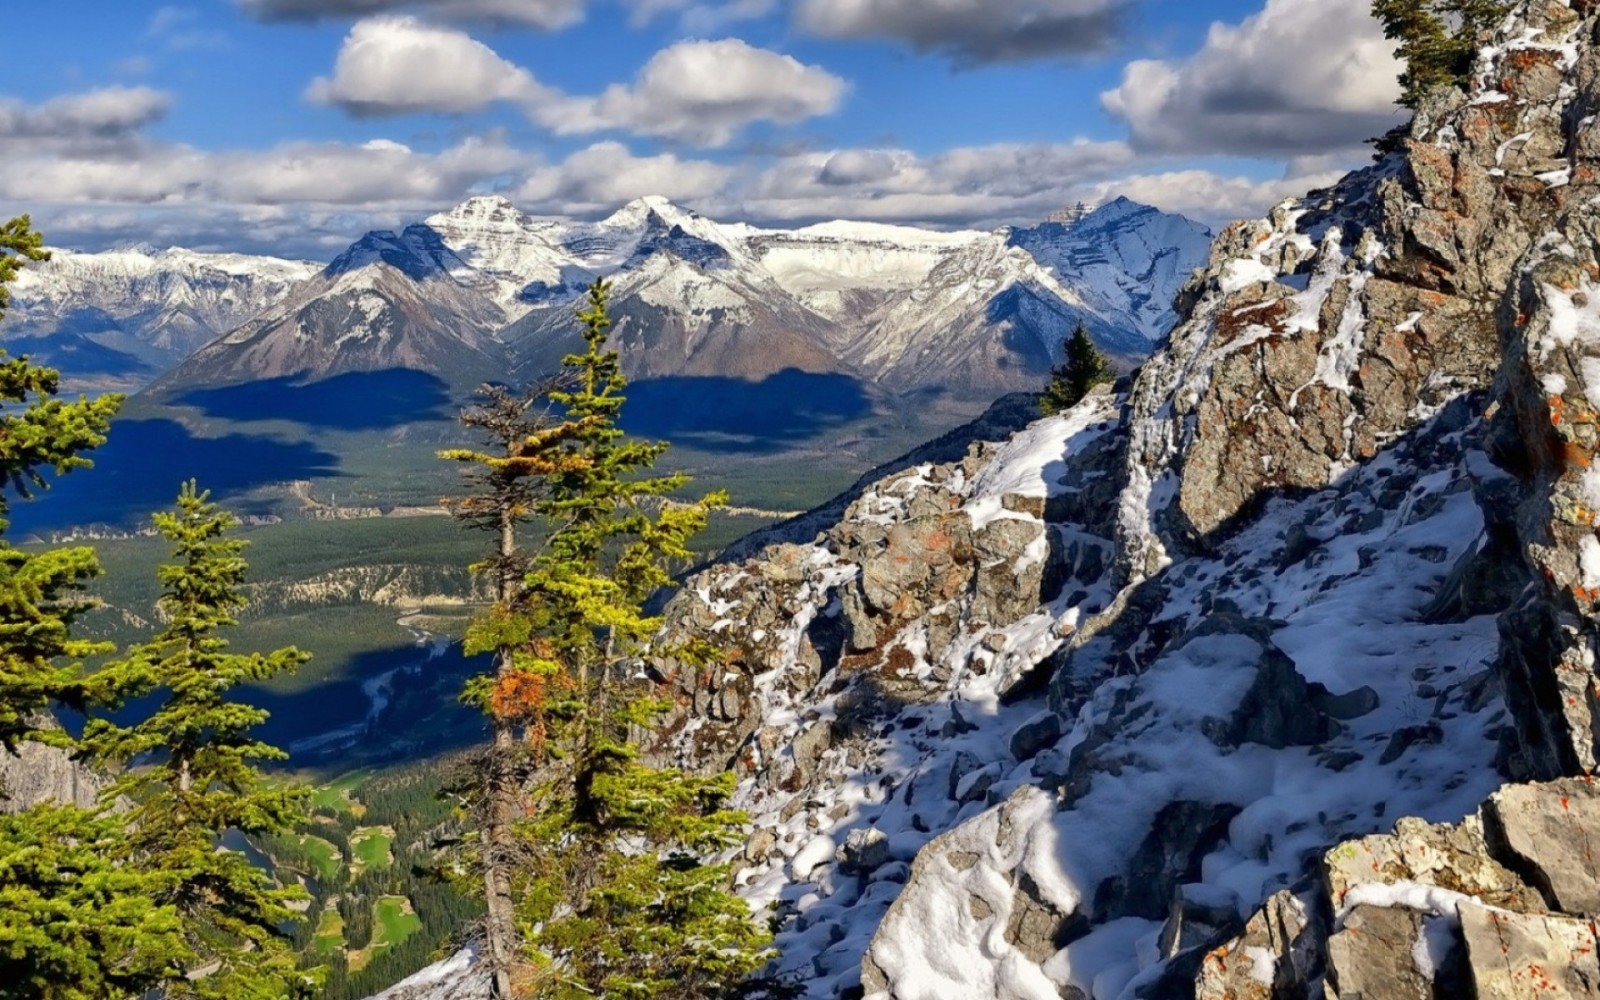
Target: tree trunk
(500, 793)
(501, 927)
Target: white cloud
(974, 31)
(696, 91)
(545, 14)
(1302, 77)
(702, 92)
(979, 185)
(398, 65)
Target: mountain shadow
(353, 401)
(734, 416)
(139, 469)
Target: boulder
(1529, 956)
(1372, 956)
(1551, 833)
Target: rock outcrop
(1230, 683)
(1106, 701)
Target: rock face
(1114, 693)
(1434, 911)
(1187, 691)
(33, 774)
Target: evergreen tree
(74, 924)
(613, 897)
(502, 489)
(1084, 368)
(1438, 40)
(192, 768)
(39, 591)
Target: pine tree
(613, 897)
(193, 768)
(1438, 40)
(1084, 368)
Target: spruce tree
(502, 487)
(40, 595)
(74, 923)
(613, 894)
(192, 769)
(1084, 368)
(1438, 40)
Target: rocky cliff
(1270, 674)
(1223, 684)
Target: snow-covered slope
(122, 316)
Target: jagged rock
(1277, 710)
(863, 852)
(1551, 834)
(34, 773)
(1287, 933)
(1183, 833)
(1524, 956)
(1372, 956)
(1454, 857)
(1200, 915)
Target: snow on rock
(1110, 690)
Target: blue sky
(293, 125)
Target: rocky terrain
(1271, 673)
(1268, 675)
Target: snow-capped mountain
(360, 315)
(120, 318)
(975, 314)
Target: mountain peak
(477, 212)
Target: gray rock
(1038, 733)
(1518, 956)
(1552, 834)
(1371, 957)
(863, 852)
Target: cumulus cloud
(545, 14)
(974, 31)
(703, 92)
(398, 65)
(1300, 78)
(696, 91)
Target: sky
(291, 127)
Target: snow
(1032, 463)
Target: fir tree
(193, 768)
(613, 897)
(39, 591)
(502, 488)
(1438, 40)
(1084, 368)
(74, 923)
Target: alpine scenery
(800, 500)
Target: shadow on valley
(394, 704)
(734, 416)
(355, 401)
(143, 463)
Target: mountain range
(483, 290)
